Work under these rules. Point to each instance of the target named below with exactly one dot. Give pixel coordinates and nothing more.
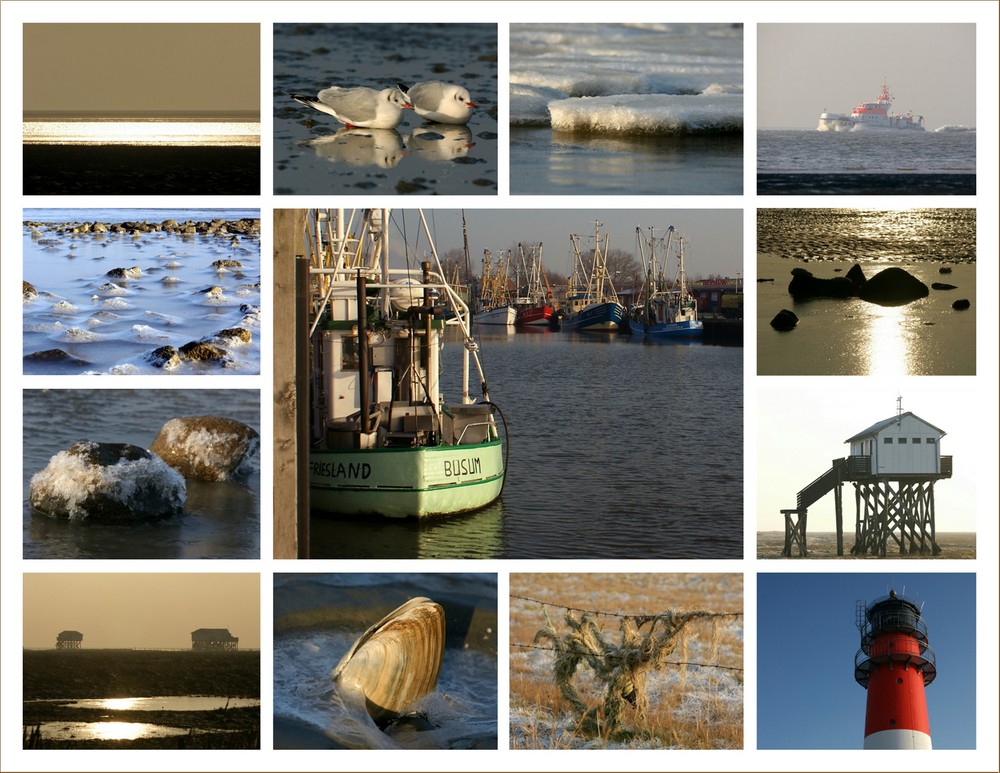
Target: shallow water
(160, 703)
(107, 731)
(314, 153)
(618, 449)
(319, 617)
(631, 109)
(853, 337)
(109, 326)
(220, 519)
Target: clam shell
(397, 660)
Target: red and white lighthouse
(894, 664)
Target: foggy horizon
(139, 611)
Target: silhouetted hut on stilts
(69, 640)
(218, 639)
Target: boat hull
(844, 123)
(691, 328)
(598, 318)
(406, 482)
(535, 316)
(503, 316)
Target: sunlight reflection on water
(141, 133)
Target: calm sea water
(851, 336)
(319, 617)
(313, 153)
(626, 108)
(898, 162)
(221, 519)
(109, 327)
(866, 151)
(618, 449)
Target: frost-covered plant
(645, 643)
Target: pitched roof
(874, 429)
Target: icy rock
(207, 447)
(108, 483)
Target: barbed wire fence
(645, 643)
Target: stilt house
(69, 640)
(213, 639)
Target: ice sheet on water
(550, 63)
(648, 114)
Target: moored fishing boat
(494, 306)
(384, 440)
(667, 310)
(871, 115)
(595, 308)
(532, 302)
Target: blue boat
(667, 310)
(594, 309)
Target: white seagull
(360, 107)
(440, 102)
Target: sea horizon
(141, 128)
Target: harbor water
(618, 448)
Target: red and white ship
(874, 115)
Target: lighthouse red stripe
(896, 697)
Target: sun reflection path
(888, 345)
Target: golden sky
(136, 68)
(140, 610)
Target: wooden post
(838, 499)
(289, 229)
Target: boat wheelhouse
(385, 442)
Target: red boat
(531, 302)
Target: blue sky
(807, 697)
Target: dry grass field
(671, 705)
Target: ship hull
(535, 316)
(406, 482)
(690, 328)
(598, 318)
(502, 316)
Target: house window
(887, 441)
(902, 441)
(916, 440)
(930, 441)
